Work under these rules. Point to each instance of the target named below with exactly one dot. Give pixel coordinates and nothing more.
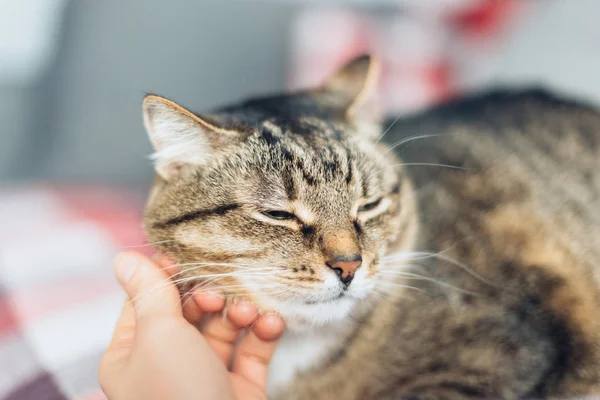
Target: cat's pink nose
(345, 267)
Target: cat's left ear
(352, 88)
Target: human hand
(158, 353)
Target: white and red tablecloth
(58, 298)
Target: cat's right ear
(180, 138)
(352, 88)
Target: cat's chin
(309, 315)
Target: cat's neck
(304, 347)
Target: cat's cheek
(214, 240)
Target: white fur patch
(299, 352)
(176, 137)
(301, 316)
(316, 322)
(319, 306)
(179, 140)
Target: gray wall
(83, 122)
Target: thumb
(148, 287)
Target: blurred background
(73, 151)
(73, 73)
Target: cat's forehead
(299, 113)
(299, 146)
(312, 166)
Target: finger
(124, 329)
(222, 332)
(209, 300)
(120, 345)
(197, 305)
(191, 311)
(256, 350)
(167, 263)
(149, 287)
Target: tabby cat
(455, 255)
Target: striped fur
(492, 202)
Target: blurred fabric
(58, 298)
(433, 51)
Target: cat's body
(523, 215)
(491, 217)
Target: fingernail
(214, 292)
(125, 266)
(245, 305)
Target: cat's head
(289, 201)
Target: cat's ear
(353, 86)
(180, 138)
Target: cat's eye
(280, 215)
(369, 206)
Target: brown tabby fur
(501, 188)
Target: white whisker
(436, 281)
(149, 244)
(388, 129)
(206, 265)
(467, 269)
(408, 256)
(216, 264)
(429, 165)
(170, 282)
(414, 256)
(391, 285)
(410, 139)
(231, 289)
(256, 272)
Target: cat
(453, 255)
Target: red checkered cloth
(429, 50)
(58, 298)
